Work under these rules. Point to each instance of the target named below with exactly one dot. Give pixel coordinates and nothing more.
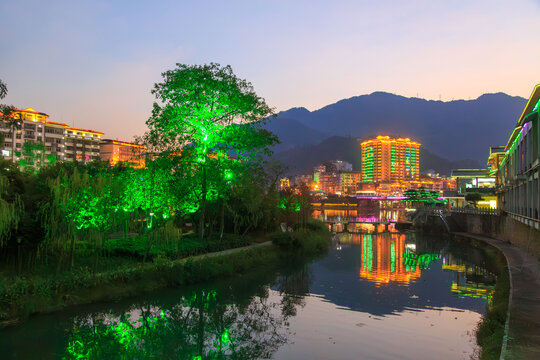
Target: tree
(473, 198)
(3, 89)
(204, 112)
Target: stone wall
(500, 227)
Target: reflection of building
(471, 280)
(115, 151)
(386, 159)
(383, 260)
(82, 145)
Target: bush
(315, 238)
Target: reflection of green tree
(412, 260)
(202, 326)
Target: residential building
(82, 145)
(519, 172)
(349, 181)
(36, 142)
(115, 151)
(390, 160)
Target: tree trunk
(150, 244)
(202, 219)
(96, 255)
(71, 252)
(222, 219)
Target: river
(386, 296)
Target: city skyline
(306, 54)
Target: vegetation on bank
(23, 296)
(206, 186)
(491, 330)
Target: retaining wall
(500, 227)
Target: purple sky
(93, 63)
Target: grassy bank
(22, 296)
(491, 330)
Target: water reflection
(382, 296)
(204, 324)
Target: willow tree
(10, 211)
(199, 108)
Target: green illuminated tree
(204, 112)
(11, 209)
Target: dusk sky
(92, 64)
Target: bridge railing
(476, 211)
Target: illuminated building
(35, 129)
(333, 178)
(348, 181)
(82, 145)
(337, 166)
(284, 183)
(329, 182)
(304, 179)
(519, 171)
(474, 181)
(115, 151)
(390, 160)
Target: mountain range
(453, 134)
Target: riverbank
(522, 320)
(27, 296)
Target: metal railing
(476, 211)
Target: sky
(92, 64)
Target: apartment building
(82, 145)
(115, 151)
(37, 140)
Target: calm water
(389, 296)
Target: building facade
(38, 141)
(115, 151)
(390, 160)
(82, 145)
(35, 141)
(518, 173)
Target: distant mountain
(293, 133)
(303, 159)
(461, 129)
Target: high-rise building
(115, 151)
(386, 159)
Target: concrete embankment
(522, 340)
(501, 227)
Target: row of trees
(206, 164)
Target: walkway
(524, 318)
